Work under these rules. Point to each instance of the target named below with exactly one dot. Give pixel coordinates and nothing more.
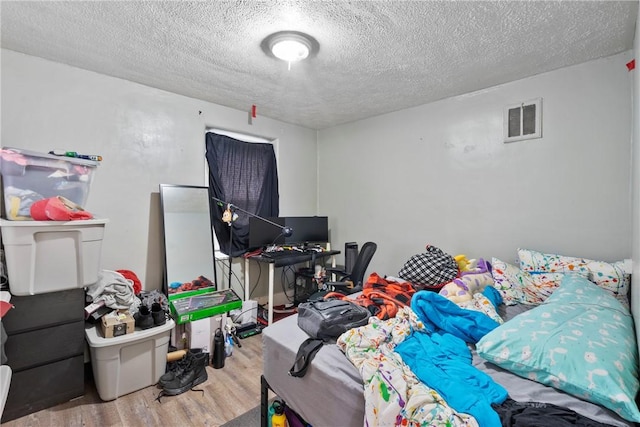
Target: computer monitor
(262, 233)
(306, 229)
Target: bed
(332, 393)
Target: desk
(219, 257)
(281, 262)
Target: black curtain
(245, 175)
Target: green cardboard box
(199, 304)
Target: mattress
(331, 392)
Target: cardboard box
(200, 334)
(196, 305)
(117, 323)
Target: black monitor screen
(262, 233)
(306, 229)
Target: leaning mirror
(188, 235)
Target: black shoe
(176, 368)
(143, 318)
(158, 314)
(194, 374)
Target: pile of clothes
(121, 290)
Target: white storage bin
(49, 256)
(5, 382)
(28, 176)
(130, 362)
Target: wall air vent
(523, 120)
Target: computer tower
(350, 255)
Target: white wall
(440, 174)
(635, 284)
(147, 137)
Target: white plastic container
(130, 362)
(28, 176)
(5, 382)
(49, 256)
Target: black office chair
(351, 282)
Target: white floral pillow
(609, 276)
(538, 262)
(508, 281)
(521, 287)
(541, 286)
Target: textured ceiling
(375, 56)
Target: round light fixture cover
(290, 46)
(290, 50)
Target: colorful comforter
(439, 356)
(416, 367)
(394, 396)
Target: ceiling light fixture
(290, 46)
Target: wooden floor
(229, 392)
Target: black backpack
(324, 321)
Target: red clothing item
(381, 297)
(130, 275)
(57, 209)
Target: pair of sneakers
(149, 317)
(184, 374)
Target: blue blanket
(440, 358)
(440, 314)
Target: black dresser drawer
(43, 310)
(35, 389)
(42, 346)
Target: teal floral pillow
(581, 340)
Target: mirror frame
(163, 202)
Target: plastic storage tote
(49, 256)
(130, 362)
(29, 176)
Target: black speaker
(350, 255)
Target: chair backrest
(350, 256)
(362, 262)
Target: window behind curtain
(245, 175)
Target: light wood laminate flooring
(228, 392)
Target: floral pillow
(521, 287)
(508, 281)
(581, 340)
(609, 276)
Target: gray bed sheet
(331, 392)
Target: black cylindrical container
(218, 350)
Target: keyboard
(282, 254)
